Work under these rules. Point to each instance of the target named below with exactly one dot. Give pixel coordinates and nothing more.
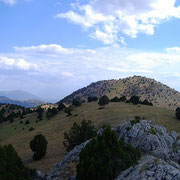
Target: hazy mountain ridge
(19, 95)
(146, 88)
(27, 103)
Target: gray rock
(151, 139)
(151, 168)
(160, 150)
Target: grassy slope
(114, 113)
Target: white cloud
(11, 2)
(10, 63)
(173, 50)
(110, 19)
(68, 68)
(55, 59)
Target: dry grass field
(53, 129)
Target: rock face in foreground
(160, 154)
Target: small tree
(122, 99)
(61, 106)
(77, 102)
(104, 100)
(92, 98)
(105, 157)
(39, 146)
(11, 166)
(68, 110)
(115, 99)
(178, 113)
(134, 99)
(78, 134)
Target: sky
(53, 47)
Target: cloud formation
(10, 63)
(11, 2)
(112, 19)
(52, 65)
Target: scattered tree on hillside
(92, 98)
(68, 110)
(146, 102)
(77, 102)
(11, 166)
(104, 100)
(39, 146)
(61, 106)
(122, 99)
(51, 112)
(178, 113)
(115, 99)
(134, 99)
(104, 157)
(78, 133)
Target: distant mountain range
(146, 88)
(19, 95)
(27, 103)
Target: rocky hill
(146, 88)
(160, 154)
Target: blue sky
(53, 47)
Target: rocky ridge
(146, 88)
(160, 154)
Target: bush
(61, 107)
(146, 102)
(178, 113)
(31, 129)
(104, 100)
(105, 157)
(68, 110)
(115, 99)
(77, 102)
(134, 99)
(78, 134)
(51, 112)
(11, 166)
(39, 146)
(92, 98)
(122, 99)
(27, 122)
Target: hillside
(146, 88)
(19, 95)
(27, 103)
(53, 129)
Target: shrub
(11, 166)
(77, 102)
(115, 99)
(27, 122)
(39, 146)
(146, 102)
(78, 134)
(68, 110)
(105, 157)
(136, 120)
(104, 100)
(178, 113)
(31, 129)
(134, 99)
(122, 99)
(51, 112)
(92, 98)
(61, 106)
